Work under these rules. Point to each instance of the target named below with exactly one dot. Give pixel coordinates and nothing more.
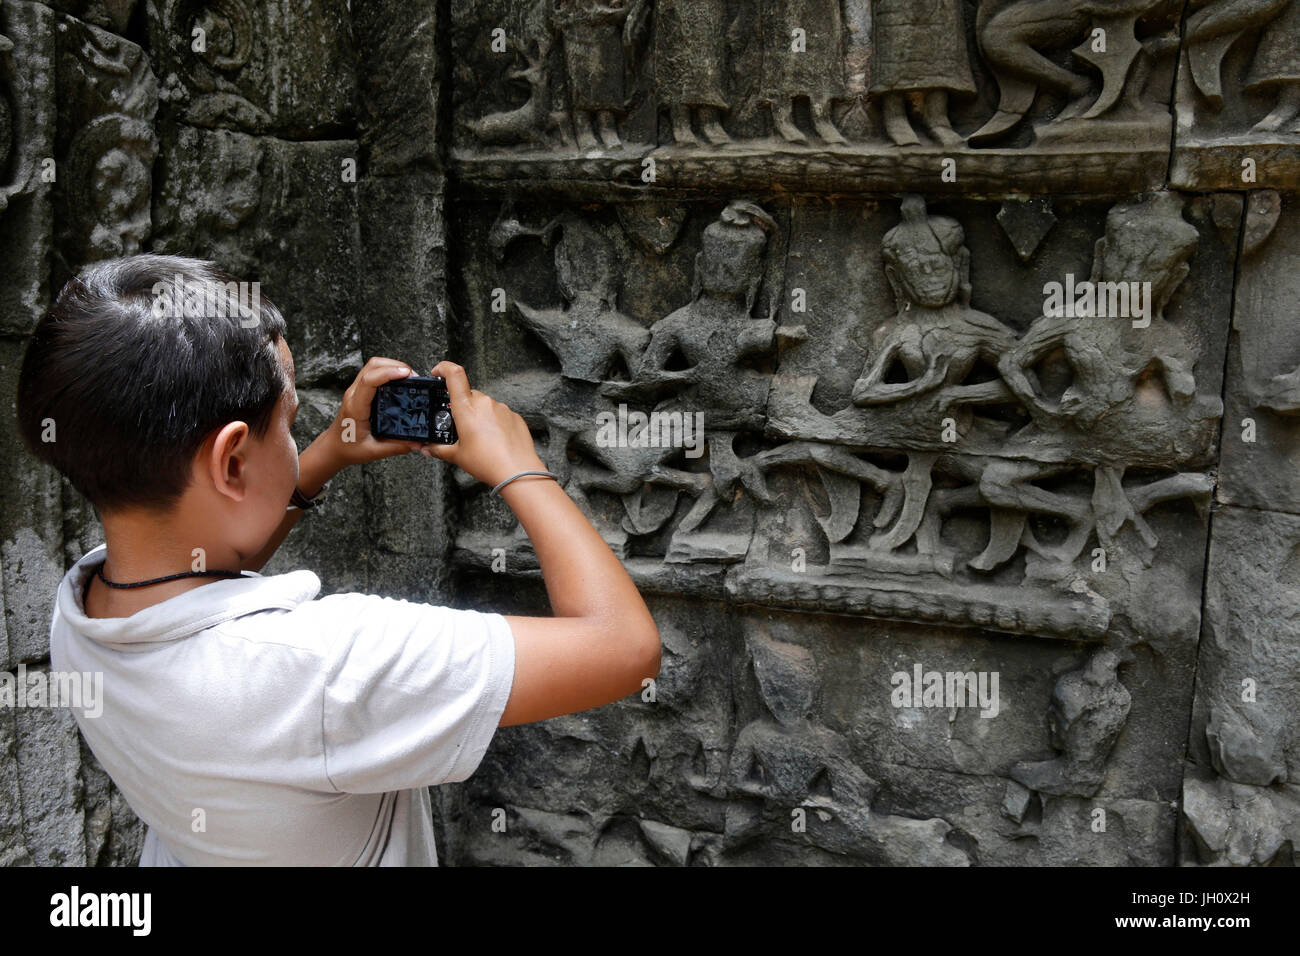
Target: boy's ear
(226, 460)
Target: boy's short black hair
(137, 362)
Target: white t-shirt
(249, 722)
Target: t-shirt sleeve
(412, 692)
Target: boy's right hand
(494, 442)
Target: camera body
(417, 408)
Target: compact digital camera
(413, 409)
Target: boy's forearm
(583, 576)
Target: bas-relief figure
(789, 759)
(1088, 709)
(715, 333)
(919, 49)
(690, 61)
(1213, 29)
(1275, 70)
(1015, 37)
(813, 67)
(599, 38)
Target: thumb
(442, 452)
(457, 382)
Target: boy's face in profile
(264, 470)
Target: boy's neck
(142, 546)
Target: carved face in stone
(921, 257)
(730, 262)
(927, 274)
(1147, 241)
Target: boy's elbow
(648, 655)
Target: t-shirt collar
(184, 614)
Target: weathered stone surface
(403, 311)
(106, 146)
(280, 213)
(1237, 102)
(574, 96)
(399, 92)
(53, 804)
(31, 550)
(1244, 722)
(828, 415)
(1234, 824)
(13, 846)
(27, 126)
(1261, 434)
(267, 67)
(790, 712)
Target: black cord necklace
(99, 573)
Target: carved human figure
(590, 335)
(803, 55)
(1089, 708)
(1012, 35)
(714, 333)
(690, 53)
(1115, 373)
(1276, 69)
(596, 35)
(935, 336)
(919, 48)
(1214, 26)
(1145, 241)
(934, 333)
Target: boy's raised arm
(602, 642)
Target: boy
(245, 719)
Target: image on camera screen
(404, 411)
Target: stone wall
(858, 241)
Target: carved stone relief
(106, 145)
(1239, 92)
(255, 66)
(978, 471)
(831, 89)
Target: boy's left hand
(348, 440)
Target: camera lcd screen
(404, 411)
(414, 410)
